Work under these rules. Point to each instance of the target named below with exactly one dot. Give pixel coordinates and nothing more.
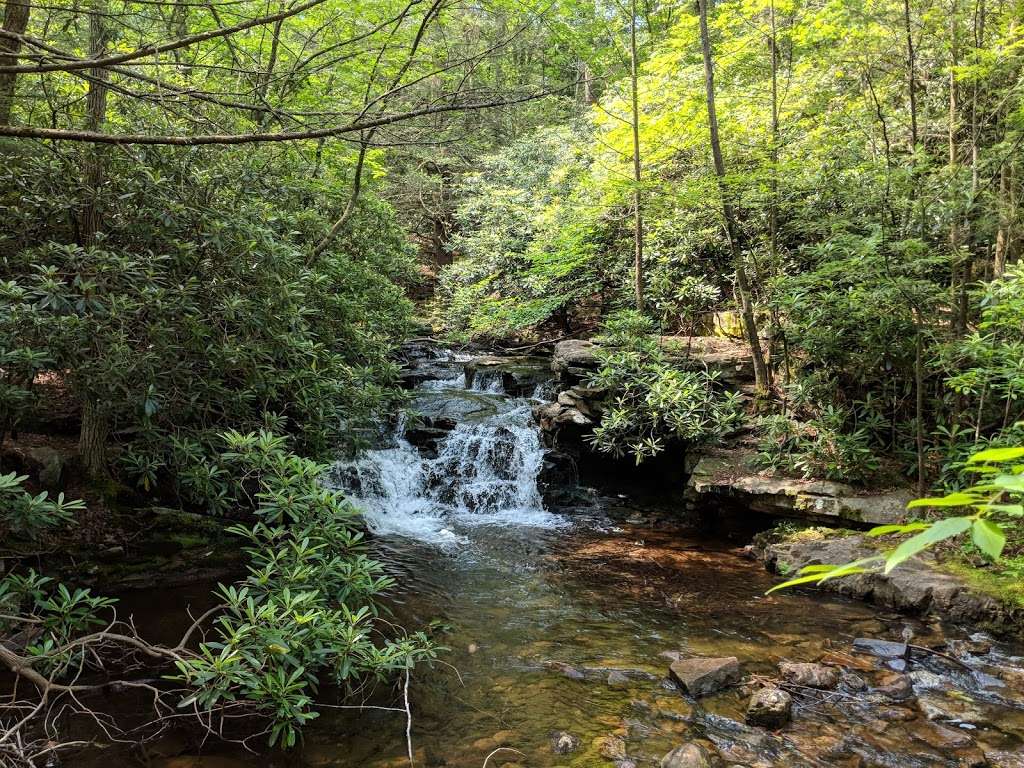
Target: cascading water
(483, 472)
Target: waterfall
(484, 473)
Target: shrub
(653, 403)
(820, 448)
(22, 514)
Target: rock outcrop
(726, 482)
(918, 585)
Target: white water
(485, 381)
(485, 473)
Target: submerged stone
(563, 742)
(809, 675)
(883, 649)
(701, 676)
(770, 708)
(686, 756)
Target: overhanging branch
(95, 137)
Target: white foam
(484, 473)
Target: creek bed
(565, 622)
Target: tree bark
(96, 112)
(16, 13)
(92, 440)
(746, 302)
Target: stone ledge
(726, 480)
(916, 586)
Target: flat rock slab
(727, 479)
(883, 649)
(701, 676)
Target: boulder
(701, 676)
(612, 747)
(917, 586)
(852, 682)
(574, 359)
(770, 708)
(809, 675)
(516, 375)
(686, 756)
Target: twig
(408, 718)
(941, 655)
(501, 749)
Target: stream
(562, 623)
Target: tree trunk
(16, 14)
(958, 280)
(773, 218)
(1002, 246)
(746, 302)
(96, 112)
(638, 216)
(92, 440)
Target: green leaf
(884, 530)
(997, 455)
(936, 532)
(952, 500)
(988, 537)
(814, 577)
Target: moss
(1003, 582)
(791, 531)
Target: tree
(731, 223)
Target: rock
(922, 678)
(942, 737)
(998, 759)
(770, 708)
(917, 586)
(566, 670)
(701, 676)
(883, 649)
(852, 683)
(896, 665)
(895, 714)
(563, 742)
(498, 739)
(838, 659)
(728, 480)
(975, 645)
(612, 747)
(809, 675)
(616, 678)
(686, 756)
(896, 686)
(573, 359)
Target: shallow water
(571, 630)
(567, 620)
